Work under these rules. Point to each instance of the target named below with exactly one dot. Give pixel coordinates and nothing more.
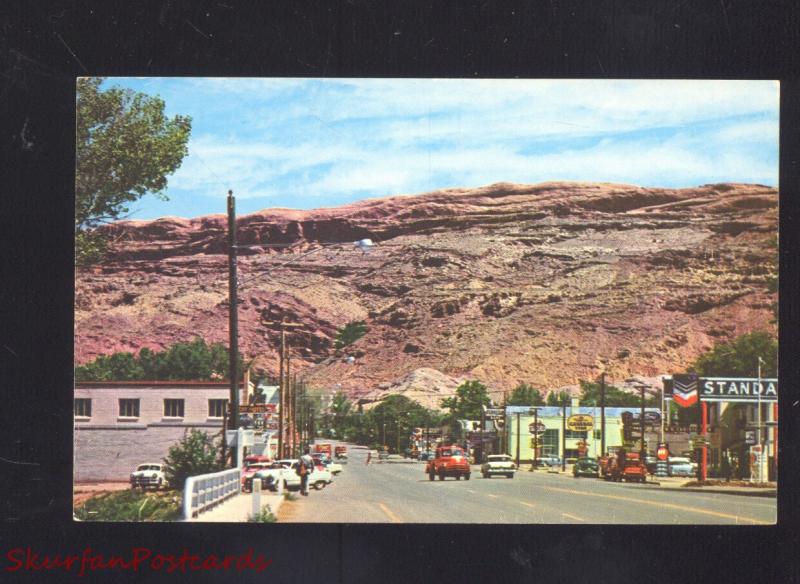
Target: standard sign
(738, 389)
(580, 423)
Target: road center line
(527, 504)
(493, 496)
(392, 516)
(661, 505)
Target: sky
(312, 143)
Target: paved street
(401, 493)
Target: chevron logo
(684, 390)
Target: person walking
(369, 457)
(306, 468)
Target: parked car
(586, 467)
(549, 460)
(252, 468)
(425, 456)
(650, 418)
(286, 471)
(498, 464)
(679, 466)
(383, 455)
(149, 474)
(334, 467)
(449, 461)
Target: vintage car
(586, 467)
(679, 466)
(148, 474)
(252, 468)
(498, 464)
(321, 459)
(449, 461)
(286, 471)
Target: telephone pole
(603, 413)
(233, 320)
(284, 401)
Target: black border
(47, 44)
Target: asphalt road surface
(401, 493)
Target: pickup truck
(449, 461)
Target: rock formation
(547, 284)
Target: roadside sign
(580, 423)
(537, 428)
(492, 413)
(750, 437)
(257, 408)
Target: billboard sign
(580, 423)
(738, 389)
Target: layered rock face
(547, 284)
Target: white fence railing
(204, 491)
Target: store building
(120, 424)
(556, 439)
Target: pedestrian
(304, 469)
(369, 457)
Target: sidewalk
(238, 508)
(676, 483)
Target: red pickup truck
(623, 466)
(450, 461)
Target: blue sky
(310, 143)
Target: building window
(173, 408)
(550, 444)
(216, 408)
(129, 408)
(83, 408)
(574, 434)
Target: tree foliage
(525, 395)
(466, 404)
(739, 358)
(194, 360)
(558, 398)
(125, 148)
(195, 454)
(129, 506)
(615, 397)
(350, 333)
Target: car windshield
(452, 452)
(149, 467)
(587, 460)
(499, 458)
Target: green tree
(739, 358)
(615, 397)
(525, 395)
(194, 360)
(558, 399)
(195, 454)
(125, 148)
(466, 404)
(350, 333)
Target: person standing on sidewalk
(369, 457)
(306, 468)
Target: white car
(498, 464)
(286, 471)
(148, 474)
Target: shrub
(350, 333)
(264, 516)
(195, 454)
(130, 506)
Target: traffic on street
(398, 490)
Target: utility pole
(564, 433)
(603, 413)
(760, 454)
(535, 437)
(642, 449)
(518, 415)
(284, 403)
(233, 320)
(483, 423)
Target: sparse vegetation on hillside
(350, 333)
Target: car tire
(431, 476)
(441, 475)
(485, 475)
(510, 476)
(466, 476)
(458, 477)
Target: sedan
(586, 467)
(498, 464)
(681, 467)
